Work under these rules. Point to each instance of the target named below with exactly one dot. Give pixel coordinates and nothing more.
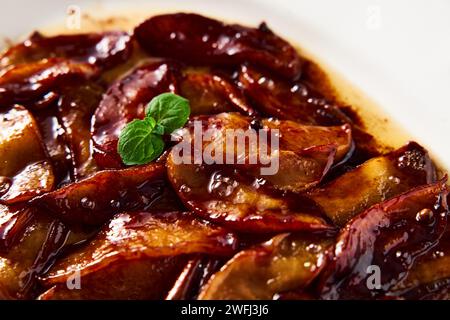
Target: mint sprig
(141, 141)
(169, 110)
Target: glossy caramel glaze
(340, 203)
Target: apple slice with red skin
(238, 196)
(139, 255)
(296, 137)
(16, 264)
(92, 201)
(211, 93)
(38, 240)
(125, 101)
(390, 236)
(284, 263)
(298, 172)
(223, 195)
(54, 140)
(76, 107)
(66, 130)
(33, 84)
(429, 278)
(301, 165)
(374, 181)
(286, 100)
(13, 221)
(199, 40)
(104, 50)
(32, 71)
(146, 279)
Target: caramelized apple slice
(430, 275)
(306, 153)
(140, 254)
(95, 199)
(65, 129)
(374, 181)
(286, 262)
(210, 93)
(13, 220)
(136, 235)
(101, 49)
(144, 279)
(18, 262)
(24, 169)
(42, 59)
(293, 136)
(289, 101)
(33, 180)
(75, 110)
(299, 172)
(20, 141)
(389, 236)
(200, 40)
(296, 137)
(124, 101)
(295, 167)
(53, 137)
(30, 84)
(32, 253)
(222, 195)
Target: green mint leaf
(138, 144)
(151, 122)
(158, 129)
(169, 110)
(141, 141)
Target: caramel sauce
(366, 115)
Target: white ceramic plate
(397, 52)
